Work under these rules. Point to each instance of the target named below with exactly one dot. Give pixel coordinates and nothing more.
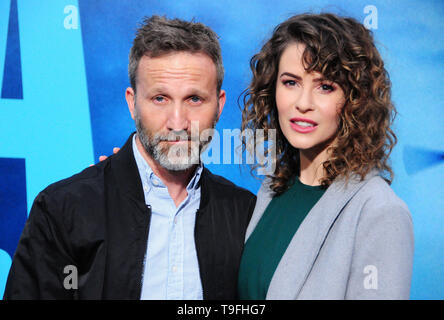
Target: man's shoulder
(81, 186)
(225, 186)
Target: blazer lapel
(264, 196)
(299, 257)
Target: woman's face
(308, 105)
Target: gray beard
(175, 158)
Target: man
(149, 222)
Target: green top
(269, 240)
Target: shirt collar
(147, 175)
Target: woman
(326, 223)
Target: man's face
(175, 91)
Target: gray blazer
(355, 243)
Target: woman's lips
(303, 125)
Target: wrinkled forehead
(179, 70)
(182, 65)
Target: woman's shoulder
(378, 197)
(378, 190)
(265, 188)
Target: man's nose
(177, 118)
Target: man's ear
(130, 97)
(222, 98)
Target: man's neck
(175, 181)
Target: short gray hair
(158, 36)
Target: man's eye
(195, 99)
(159, 99)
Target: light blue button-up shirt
(171, 269)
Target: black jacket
(98, 221)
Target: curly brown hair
(343, 51)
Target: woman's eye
(289, 83)
(327, 87)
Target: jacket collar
(305, 245)
(127, 173)
(125, 169)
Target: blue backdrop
(63, 72)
